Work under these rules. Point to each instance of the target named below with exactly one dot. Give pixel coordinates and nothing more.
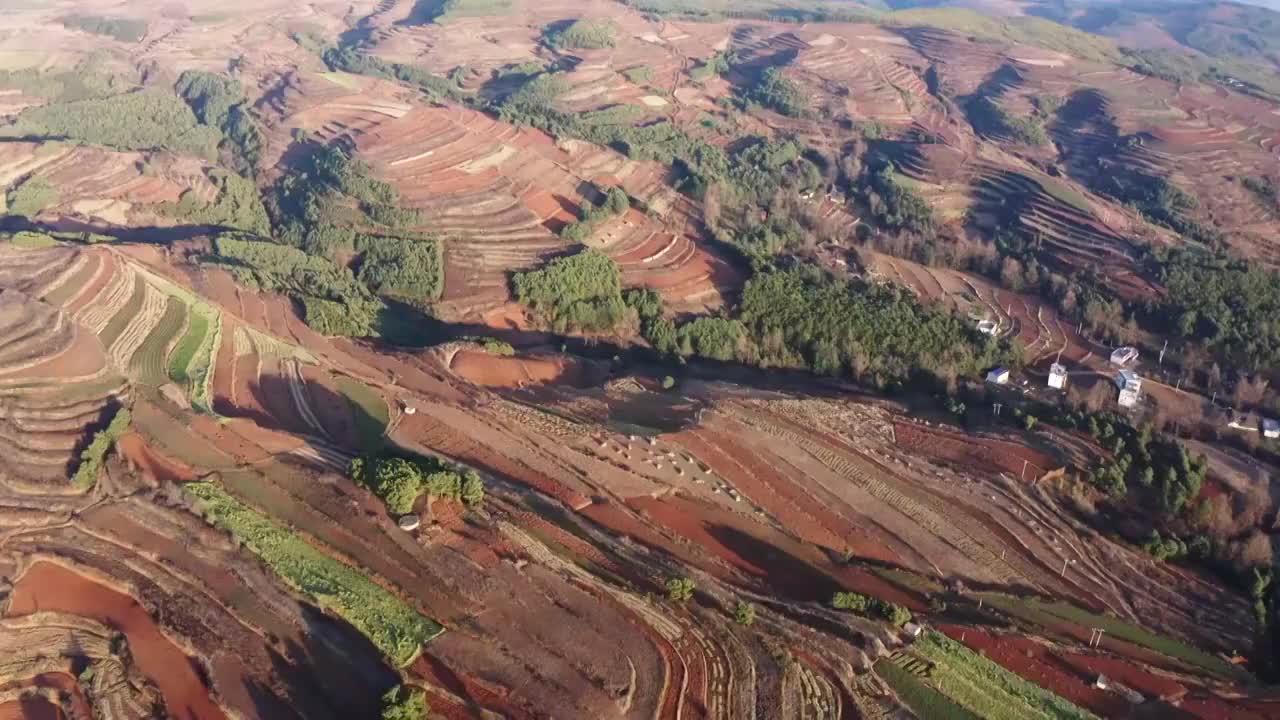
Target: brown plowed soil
(49, 587)
(980, 454)
(488, 370)
(136, 450)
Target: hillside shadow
(334, 673)
(789, 576)
(144, 234)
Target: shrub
(852, 602)
(638, 75)
(31, 196)
(680, 589)
(405, 703)
(744, 613)
(582, 35)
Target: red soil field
(485, 369)
(1125, 673)
(982, 454)
(785, 565)
(1038, 664)
(38, 708)
(49, 587)
(35, 708)
(83, 357)
(151, 462)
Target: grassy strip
(394, 627)
(368, 408)
(27, 239)
(201, 370)
(923, 700)
(91, 459)
(987, 688)
(125, 314)
(148, 361)
(185, 351)
(1043, 613)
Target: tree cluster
(400, 481)
(577, 292)
(863, 605)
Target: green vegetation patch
(923, 700)
(141, 120)
(1228, 304)
(91, 458)
(400, 481)
(184, 352)
(149, 361)
(577, 292)
(31, 196)
(778, 92)
(334, 302)
(60, 85)
(987, 689)
(219, 102)
(392, 625)
(582, 35)
(368, 408)
(638, 75)
(1047, 614)
(442, 11)
(238, 206)
(801, 318)
(129, 30)
(33, 240)
(615, 203)
(989, 117)
(405, 268)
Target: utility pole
(1023, 475)
(1166, 347)
(1065, 563)
(996, 408)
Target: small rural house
(1057, 376)
(1270, 428)
(1124, 355)
(999, 376)
(988, 327)
(1130, 388)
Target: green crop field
(124, 315)
(915, 693)
(394, 627)
(185, 351)
(26, 239)
(369, 410)
(148, 363)
(987, 689)
(1038, 612)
